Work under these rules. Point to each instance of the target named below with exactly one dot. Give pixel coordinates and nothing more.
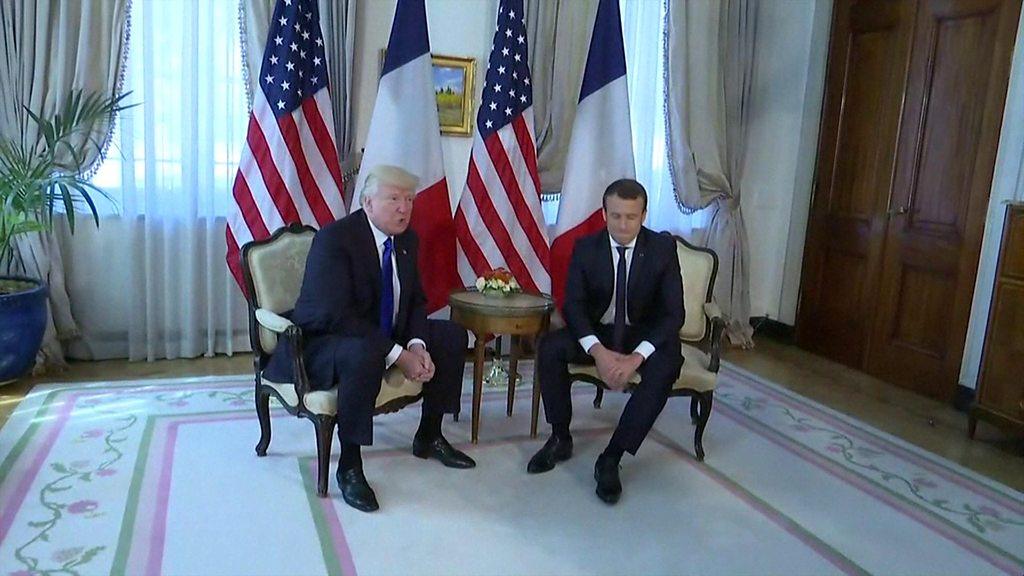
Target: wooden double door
(914, 100)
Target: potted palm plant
(41, 176)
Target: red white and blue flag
(405, 132)
(289, 171)
(601, 145)
(499, 219)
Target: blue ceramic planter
(22, 323)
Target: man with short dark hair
(362, 310)
(623, 310)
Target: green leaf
(59, 468)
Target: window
(176, 153)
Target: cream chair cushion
(696, 268)
(277, 269)
(694, 375)
(394, 386)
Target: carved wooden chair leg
(324, 436)
(694, 413)
(263, 413)
(706, 400)
(598, 397)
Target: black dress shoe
(606, 472)
(439, 449)
(556, 449)
(356, 490)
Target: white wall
(1007, 185)
(462, 28)
(791, 49)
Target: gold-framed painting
(453, 90)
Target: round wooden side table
(516, 315)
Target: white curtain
(643, 23)
(152, 281)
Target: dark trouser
(356, 366)
(658, 373)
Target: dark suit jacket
(341, 289)
(654, 289)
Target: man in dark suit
(623, 310)
(362, 310)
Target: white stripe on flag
(281, 156)
(260, 196)
(526, 185)
(506, 212)
(317, 163)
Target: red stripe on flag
(432, 221)
(314, 196)
(247, 206)
(528, 150)
(271, 177)
(507, 175)
(496, 227)
(561, 252)
(323, 139)
(474, 254)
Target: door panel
(947, 142)
(865, 80)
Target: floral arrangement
(498, 282)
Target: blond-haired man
(362, 310)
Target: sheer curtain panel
(151, 282)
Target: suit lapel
(366, 252)
(406, 267)
(606, 270)
(635, 266)
(636, 273)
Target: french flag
(601, 145)
(404, 132)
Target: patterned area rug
(160, 477)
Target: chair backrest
(273, 270)
(698, 266)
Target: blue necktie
(387, 292)
(619, 335)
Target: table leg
(478, 384)
(536, 389)
(513, 372)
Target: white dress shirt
(645, 348)
(380, 237)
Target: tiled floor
(921, 421)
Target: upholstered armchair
(272, 270)
(700, 336)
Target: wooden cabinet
(1001, 383)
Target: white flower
(480, 283)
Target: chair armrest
(273, 322)
(285, 327)
(714, 314)
(712, 310)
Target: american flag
(499, 220)
(289, 171)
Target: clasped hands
(615, 369)
(416, 364)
